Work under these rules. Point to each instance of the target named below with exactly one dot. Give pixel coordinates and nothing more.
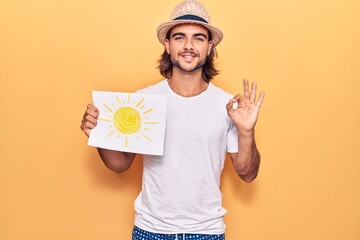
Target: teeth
(189, 54)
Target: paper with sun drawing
(129, 122)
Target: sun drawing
(129, 119)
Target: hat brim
(163, 28)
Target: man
(180, 197)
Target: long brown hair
(209, 70)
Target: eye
(199, 39)
(178, 38)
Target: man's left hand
(245, 115)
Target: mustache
(189, 52)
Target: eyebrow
(178, 34)
(183, 34)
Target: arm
(115, 160)
(247, 160)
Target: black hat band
(191, 17)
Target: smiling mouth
(188, 56)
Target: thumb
(87, 132)
(229, 107)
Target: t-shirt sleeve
(232, 139)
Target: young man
(180, 197)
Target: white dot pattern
(139, 234)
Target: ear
(211, 46)
(167, 47)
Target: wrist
(246, 133)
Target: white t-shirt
(181, 189)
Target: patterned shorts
(139, 234)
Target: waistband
(140, 234)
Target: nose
(189, 45)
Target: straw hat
(189, 11)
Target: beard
(176, 63)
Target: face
(188, 47)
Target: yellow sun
(128, 119)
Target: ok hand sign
(245, 115)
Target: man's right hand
(89, 120)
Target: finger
(87, 132)
(253, 92)
(92, 106)
(92, 112)
(260, 100)
(91, 119)
(86, 127)
(246, 89)
(229, 106)
(238, 98)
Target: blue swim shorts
(139, 234)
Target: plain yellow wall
(304, 54)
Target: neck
(187, 84)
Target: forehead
(189, 28)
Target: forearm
(115, 160)
(247, 161)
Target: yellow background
(304, 54)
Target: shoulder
(154, 89)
